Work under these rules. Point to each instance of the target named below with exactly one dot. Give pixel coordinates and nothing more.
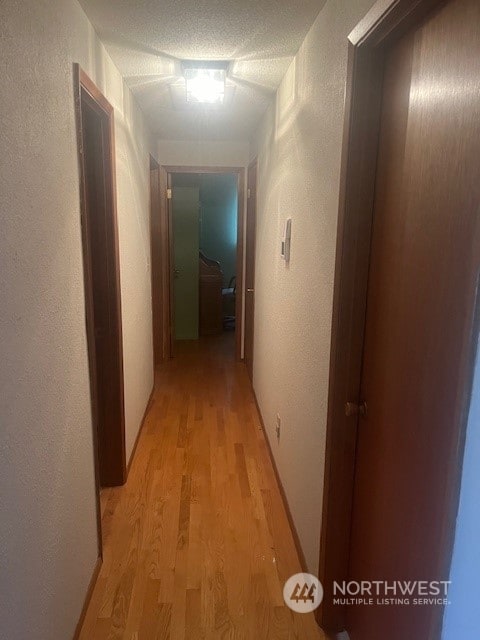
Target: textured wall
(460, 617)
(48, 538)
(299, 152)
(203, 153)
(133, 193)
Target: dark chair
(228, 297)
(211, 299)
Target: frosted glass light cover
(205, 85)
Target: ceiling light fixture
(205, 81)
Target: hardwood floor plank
(184, 516)
(193, 620)
(242, 470)
(197, 544)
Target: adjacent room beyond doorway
(205, 218)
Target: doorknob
(356, 409)
(250, 290)
(176, 273)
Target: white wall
(203, 153)
(48, 537)
(299, 152)
(133, 145)
(461, 615)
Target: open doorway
(204, 212)
(95, 135)
(203, 217)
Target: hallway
(197, 544)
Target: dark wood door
(103, 292)
(250, 267)
(420, 318)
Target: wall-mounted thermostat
(286, 240)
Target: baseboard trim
(296, 539)
(140, 429)
(88, 597)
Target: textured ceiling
(147, 39)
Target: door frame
(386, 21)
(159, 260)
(114, 468)
(251, 201)
(166, 173)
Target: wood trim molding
(165, 181)
(387, 20)
(200, 169)
(140, 429)
(158, 256)
(112, 175)
(250, 244)
(240, 290)
(166, 266)
(84, 87)
(296, 539)
(88, 597)
(384, 24)
(91, 88)
(87, 277)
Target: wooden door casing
(159, 266)
(96, 152)
(166, 175)
(250, 267)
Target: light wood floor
(197, 543)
